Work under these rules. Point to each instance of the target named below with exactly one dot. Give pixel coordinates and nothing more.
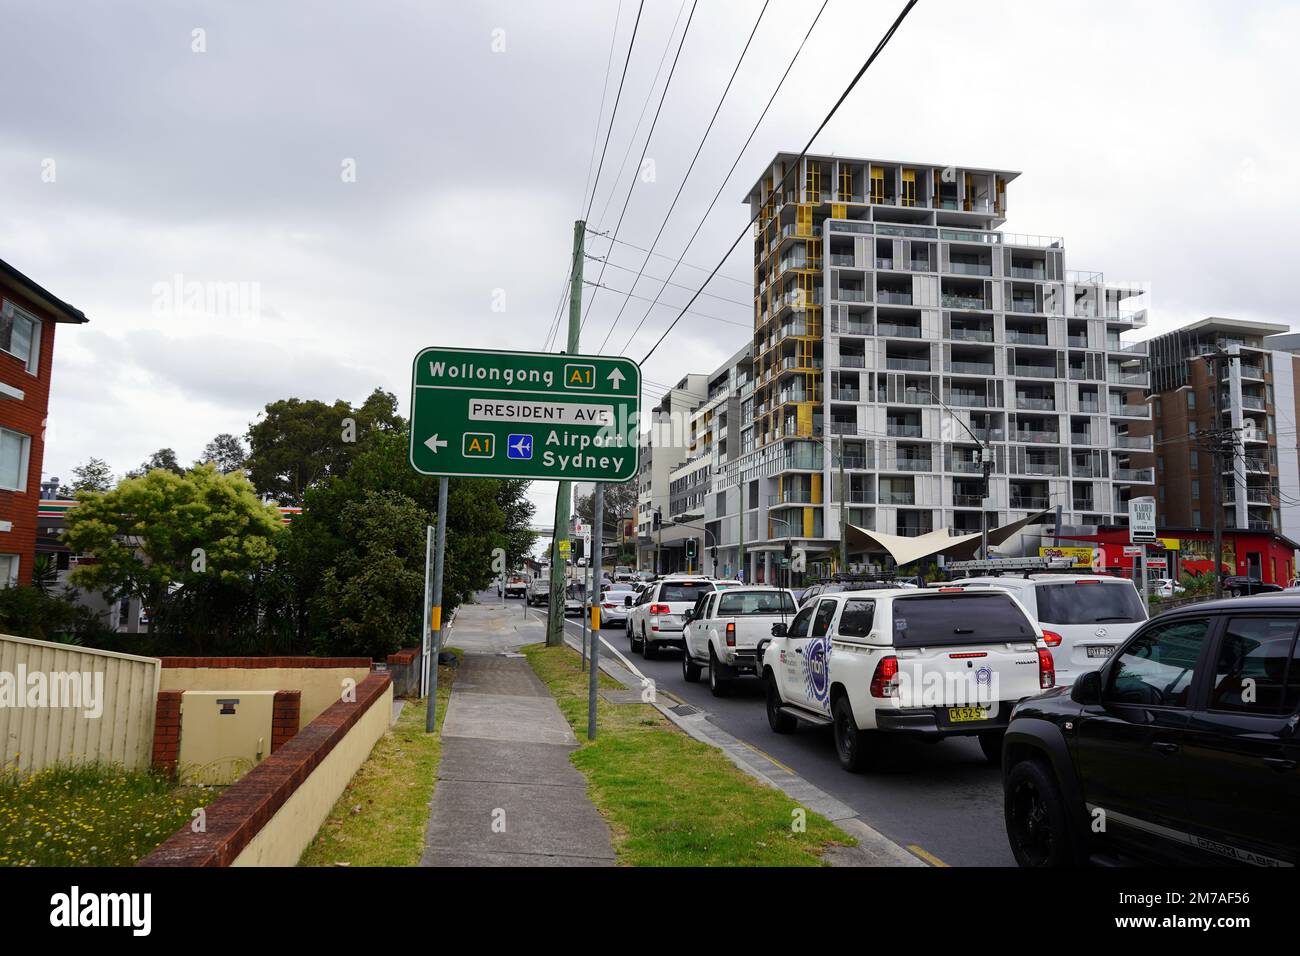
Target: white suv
(1083, 617)
(914, 662)
(657, 618)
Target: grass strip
(669, 799)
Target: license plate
(1095, 650)
(959, 714)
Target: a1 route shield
(539, 415)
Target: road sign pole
(564, 490)
(428, 604)
(440, 551)
(597, 543)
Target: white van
(1083, 617)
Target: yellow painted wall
(282, 841)
(218, 748)
(320, 686)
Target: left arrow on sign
(434, 444)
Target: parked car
(1240, 585)
(657, 617)
(909, 662)
(837, 587)
(1083, 617)
(517, 586)
(1167, 587)
(624, 574)
(614, 605)
(539, 589)
(724, 629)
(1180, 749)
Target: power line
(604, 92)
(614, 112)
(649, 136)
(644, 298)
(884, 41)
(676, 285)
(736, 162)
(747, 283)
(689, 169)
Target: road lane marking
(764, 753)
(926, 855)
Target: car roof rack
(994, 567)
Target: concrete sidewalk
(506, 793)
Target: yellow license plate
(959, 714)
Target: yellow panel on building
(807, 522)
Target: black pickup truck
(1183, 748)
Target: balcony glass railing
(1050, 468)
(1136, 379)
(1023, 305)
(913, 464)
(963, 466)
(968, 399)
(883, 263)
(1020, 272)
(970, 268)
(852, 361)
(907, 364)
(1016, 337)
(1080, 438)
(902, 430)
(971, 368)
(967, 501)
(1250, 401)
(1089, 405)
(851, 295)
(899, 331)
(1139, 442)
(1036, 404)
(889, 297)
(840, 259)
(1130, 411)
(846, 395)
(1026, 503)
(1141, 476)
(897, 497)
(1076, 341)
(1036, 436)
(962, 301)
(1035, 371)
(851, 327)
(971, 335)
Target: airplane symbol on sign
(520, 447)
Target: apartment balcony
(843, 428)
(852, 295)
(1093, 407)
(1113, 344)
(846, 395)
(1076, 341)
(1033, 403)
(1019, 272)
(798, 363)
(1138, 442)
(1016, 337)
(919, 265)
(1085, 471)
(971, 368)
(967, 501)
(791, 496)
(851, 327)
(860, 496)
(970, 269)
(1023, 306)
(883, 263)
(912, 463)
(987, 434)
(1078, 374)
(965, 466)
(1132, 379)
(907, 364)
(971, 335)
(842, 259)
(1023, 503)
(899, 331)
(1118, 410)
(968, 399)
(887, 297)
(1250, 464)
(897, 497)
(952, 301)
(1050, 469)
(1080, 438)
(914, 529)
(849, 360)
(1034, 371)
(1036, 436)
(1083, 504)
(1248, 371)
(1253, 403)
(902, 430)
(1255, 495)
(1134, 476)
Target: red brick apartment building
(28, 315)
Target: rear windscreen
(1072, 603)
(736, 603)
(970, 618)
(684, 591)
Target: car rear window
(684, 590)
(738, 603)
(968, 618)
(1089, 603)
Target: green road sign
(542, 415)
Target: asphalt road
(942, 800)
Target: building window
(1196, 519)
(1191, 400)
(8, 570)
(1196, 488)
(1157, 408)
(1191, 428)
(14, 450)
(1194, 460)
(20, 335)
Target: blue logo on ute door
(520, 447)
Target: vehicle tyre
(991, 744)
(690, 669)
(1037, 824)
(719, 686)
(777, 719)
(649, 650)
(1237, 592)
(853, 746)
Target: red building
(28, 316)
(1266, 555)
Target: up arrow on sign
(616, 378)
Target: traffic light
(713, 554)
(658, 519)
(690, 548)
(579, 548)
(789, 550)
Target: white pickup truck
(724, 629)
(539, 588)
(928, 663)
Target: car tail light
(947, 590)
(660, 609)
(1046, 669)
(1051, 639)
(1088, 581)
(966, 654)
(608, 606)
(884, 683)
(731, 634)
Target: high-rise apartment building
(897, 332)
(1254, 392)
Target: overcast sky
(1157, 137)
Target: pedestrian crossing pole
(435, 610)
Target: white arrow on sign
(434, 444)
(616, 377)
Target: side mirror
(1087, 689)
(627, 601)
(778, 629)
(686, 618)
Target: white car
(724, 629)
(1167, 587)
(1083, 617)
(658, 616)
(913, 662)
(614, 606)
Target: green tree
(160, 533)
(164, 458)
(517, 513)
(297, 444)
(93, 475)
(226, 451)
(620, 503)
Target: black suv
(1182, 748)
(1239, 585)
